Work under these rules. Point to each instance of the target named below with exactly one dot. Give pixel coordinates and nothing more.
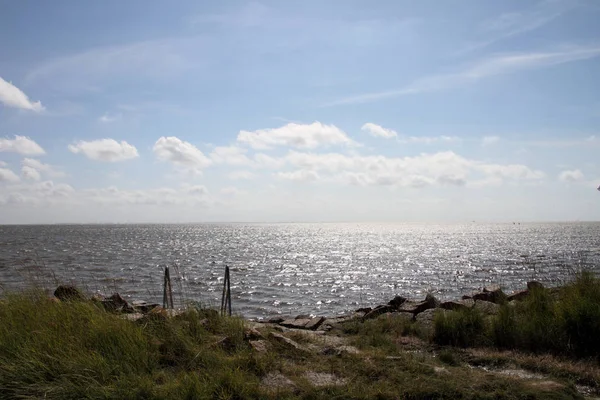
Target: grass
(564, 322)
(77, 350)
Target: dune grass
(563, 322)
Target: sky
(304, 111)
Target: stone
(534, 285)
(273, 382)
(321, 379)
(343, 350)
(458, 305)
(260, 346)
(492, 294)
(68, 293)
(303, 316)
(295, 323)
(133, 317)
(225, 343)
(252, 334)
(517, 296)
(276, 320)
(288, 342)
(487, 307)
(426, 319)
(466, 297)
(397, 301)
(116, 303)
(143, 307)
(417, 308)
(364, 310)
(377, 311)
(399, 316)
(314, 323)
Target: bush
(459, 328)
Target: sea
(295, 268)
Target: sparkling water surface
(319, 269)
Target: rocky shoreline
(487, 301)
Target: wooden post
(226, 297)
(167, 291)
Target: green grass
(564, 322)
(76, 349)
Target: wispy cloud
(512, 24)
(488, 67)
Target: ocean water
(319, 269)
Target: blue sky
(144, 111)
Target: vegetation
(76, 349)
(565, 322)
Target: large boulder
(303, 323)
(116, 303)
(493, 294)
(534, 285)
(68, 293)
(377, 311)
(397, 301)
(417, 308)
(458, 305)
(518, 296)
(487, 307)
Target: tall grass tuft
(461, 328)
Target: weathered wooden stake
(167, 291)
(226, 298)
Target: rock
(252, 334)
(68, 293)
(534, 285)
(303, 316)
(321, 379)
(458, 305)
(417, 308)
(518, 296)
(288, 342)
(487, 307)
(260, 346)
(143, 306)
(295, 323)
(276, 320)
(377, 311)
(402, 317)
(225, 343)
(397, 301)
(492, 294)
(116, 303)
(364, 310)
(341, 351)
(133, 317)
(466, 297)
(314, 323)
(273, 382)
(425, 320)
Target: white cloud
(12, 96)
(6, 175)
(108, 150)
(489, 140)
(21, 145)
(230, 155)
(428, 139)
(30, 173)
(442, 168)
(194, 189)
(3, 164)
(571, 176)
(299, 176)
(304, 136)
(32, 169)
(180, 153)
(378, 131)
(230, 191)
(492, 66)
(240, 175)
(108, 118)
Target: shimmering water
(321, 269)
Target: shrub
(459, 328)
